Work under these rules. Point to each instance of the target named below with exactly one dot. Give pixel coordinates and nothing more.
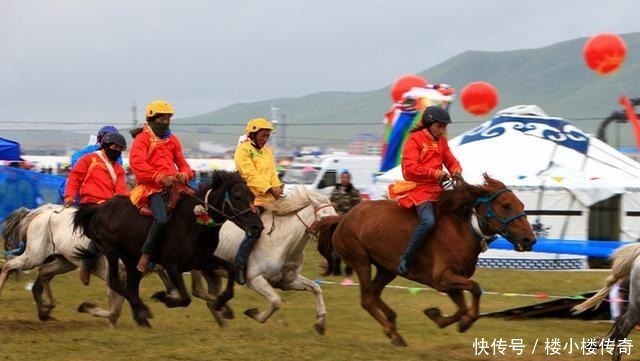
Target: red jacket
(152, 158)
(422, 161)
(91, 179)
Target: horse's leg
(115, 301)
(262, 286)
(370, 301)
(457, 296)
(214, 304)
(451, 282)
(41, 285)
(382, 279)
(304, 284)
(183, 299)
(213, 286)
(140, 311)
(17, 263)
(197, 288)
(212, 293)
(170, 289)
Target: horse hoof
(432, 313)
(144, 323)
(464, 323)
(85, 307)
(251, 312)
(159, 296)
(398, 342)
(320, 328)
(219, 318)
(227, 313)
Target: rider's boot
(148, 246)
(240, 261)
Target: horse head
(500, 212)
(322, 208)
(233, 200)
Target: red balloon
(404, 83)
(604, 53)
(479, 98)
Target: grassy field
(191, 333)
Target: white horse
(54, 247)
(626, 264)
(278, 256)
(51, 245)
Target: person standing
(256, 164)
(157, 161)
(344, 197)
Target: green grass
(191, 333)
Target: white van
(322, 173)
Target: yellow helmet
(256, 124)
(158, 107)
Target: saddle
(172, 196)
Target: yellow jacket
(258, 168)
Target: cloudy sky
(88, 60)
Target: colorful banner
(405, 114)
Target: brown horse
(377, 232)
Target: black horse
(119, 230)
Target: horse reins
(310, 228)
(205, 202)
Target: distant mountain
(553, 77)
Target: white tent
(568, 180)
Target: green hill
(553, 77)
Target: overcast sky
(74, 60)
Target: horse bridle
(490, 214)
(311, 229)
(235, 213)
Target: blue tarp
(24, 188)
(9, 150)
(581, 247)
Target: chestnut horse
(468, 216)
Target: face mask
(159, 129)
(112, 154)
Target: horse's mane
(296, 200)
(222, 176)
(461, 199)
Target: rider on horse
(97, 177)
(424, 153)
(256, 164)
(157, 162)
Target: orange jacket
(422, 161)
(91, 179)
(152, 158)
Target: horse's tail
(12, 232)
(623, 259)
(82, 219)
(326, 227)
